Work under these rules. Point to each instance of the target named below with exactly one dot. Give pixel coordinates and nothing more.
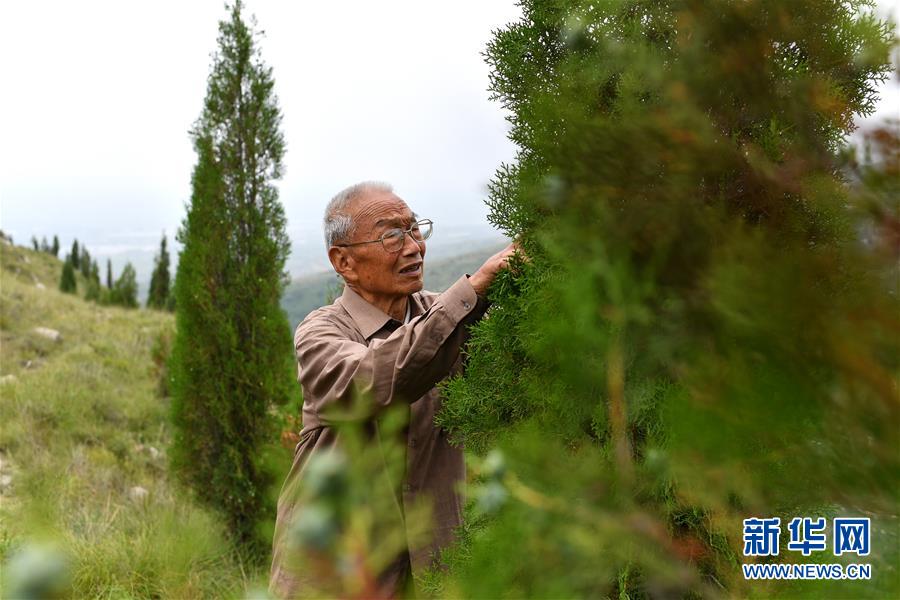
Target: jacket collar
(369, 319)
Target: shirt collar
(370, 319)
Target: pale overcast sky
(98, 97)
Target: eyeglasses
(393, 239)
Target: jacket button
(466, 305)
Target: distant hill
(305, 294)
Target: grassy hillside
(83, 439)
(308, 293)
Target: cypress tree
(159, 281)
(109, 274)
(75, 254)
(232, 356)
(700, 337)
(67, 282)
(85, 262)
(55, 248)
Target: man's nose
(411, 246)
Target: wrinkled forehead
(381, 210)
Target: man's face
(369, 266)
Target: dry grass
(81, 424)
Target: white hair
(339, 224)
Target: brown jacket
(350, 343)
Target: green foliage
(37, 572)
(85, 262)
(160, 353)
(95, 293)
(67, 280)
(109, 275)
(232, 356)
(94, 290)
(124, 291)
(158, 296)
(75, 254)
(700, 336)
(54, 249)
(170, 302)
(348, 511)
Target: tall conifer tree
(232, 355)
(158, 295)
(55, 247)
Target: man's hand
(483, 277)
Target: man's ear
(343, 263)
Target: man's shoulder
(331, 316)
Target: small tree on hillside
(67, 280)
(109, 274)
(75, 254)
(158, 295)
(94, 289)
(124, 292)
(35, 244)
(84, 262)
(54, 249)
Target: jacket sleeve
(399, 368)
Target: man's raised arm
(399, 368)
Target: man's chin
(413, 286)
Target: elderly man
(394, 341)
